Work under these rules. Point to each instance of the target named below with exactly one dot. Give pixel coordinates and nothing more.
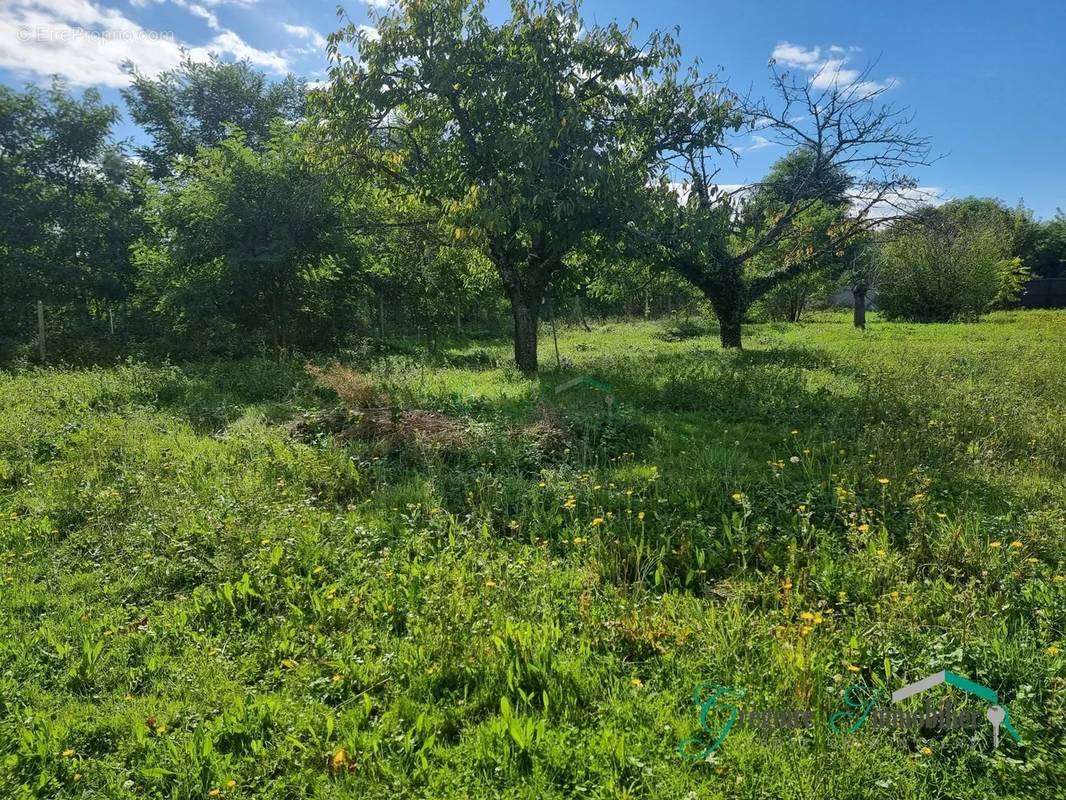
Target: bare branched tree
(858, 153)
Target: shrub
(680, 328)
(939, 270)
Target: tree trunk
(526, 288)
(275, 344)
(729, 327)
(729, 308)
(860, 306)
(525, 334)
(581, 314)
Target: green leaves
(530, 136)
(246, 235)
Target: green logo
(860, 709)
(708, 696)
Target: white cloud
(230, 43)
(380, 3)
(902, 202)
(758, 143)
(794, 55)
(370, 31)
(86, 43)
(721, 191)
(829, 67)
(199, 11)
(304, 32)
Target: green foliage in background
(952, 262)
(70, 205)
(247, 239)
(196, 104)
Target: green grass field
(211, 588)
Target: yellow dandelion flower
(818, 619)
(1016, 545)
(640, 515)
(884, 481)
(597, 521)
(853, 668)
(995, 545)
(77, 776)
(864, 528)
(807, 615)
(805, 630)
(231, 783)
(68, 752)
(337, 678)
(1053, 651)
(339, 758)
(636, 682)
(490, 584)
(926, 751)
(787, 584)
(214, 792)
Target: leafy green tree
(1045, 252)
(852, 156)
(69, 206)
(796, 176)
(247, 239)
(947, 264)
(194, 105)
(526, 135)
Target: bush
(939, 270)
(680, 328)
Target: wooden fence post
(40, 328)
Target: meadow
(420, 574)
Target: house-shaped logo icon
(996, 714)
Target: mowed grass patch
(197, 603)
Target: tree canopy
(246, 237)
(195, 104)
(528, 136)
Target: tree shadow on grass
(691, 399)
(211, 396)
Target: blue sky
(984, 79)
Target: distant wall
(845, 298)
(1044, 293)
